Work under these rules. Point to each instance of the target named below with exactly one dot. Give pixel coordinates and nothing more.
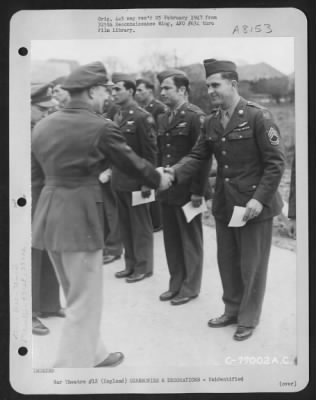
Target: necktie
(119, 117)
(171, 116)
(224, 118)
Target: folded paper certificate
(137, 198)
(237, 217)
(190, 212)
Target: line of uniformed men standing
(176, 136)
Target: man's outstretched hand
(166, 177)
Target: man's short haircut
(232, 76)
(130, 85)
(181, 80)
(147, 83)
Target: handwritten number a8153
(245, 29)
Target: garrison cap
(146, 82)
(120, 77)
(40, 95)
(86, 76)
(59, 81)
(213, 66)
(170, 72)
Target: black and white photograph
(156, 249)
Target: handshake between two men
(167, 177)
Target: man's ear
(235, 84)
(90, 92)
(182, 89)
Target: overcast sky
(276, 51)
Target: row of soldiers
(75, 149)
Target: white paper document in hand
(237, 217)
(138, 199)
(190, 212)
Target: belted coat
(69, 149)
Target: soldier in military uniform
(58, 93)
(45, 287)
(145, 98)
(138, 128)
(247, 145)
(69, 147)
(178, 130)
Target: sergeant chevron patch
(273, 136)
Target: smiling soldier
(247, 145)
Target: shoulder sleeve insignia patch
(273, 136)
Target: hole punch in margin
(23, 51)
(21, 201)
(22, 351)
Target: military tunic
(183, 241)
(70, 146)
(138, 128)
(250, 165)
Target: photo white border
(82, 24)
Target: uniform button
(223, 139)
(226, 179)
(224, 152)
(168, 155)
(168, 144)
(254, 186)
(167, 134)
(225, 166)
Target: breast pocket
(180, 131)
(240, 134)
(129, 132)
(129, 129)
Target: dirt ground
(155, 335)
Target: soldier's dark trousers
(113, 243)
(155, 212)
(136, 234)
(45, 286)
(243, 256)
(184, 250)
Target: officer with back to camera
(70, 146)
